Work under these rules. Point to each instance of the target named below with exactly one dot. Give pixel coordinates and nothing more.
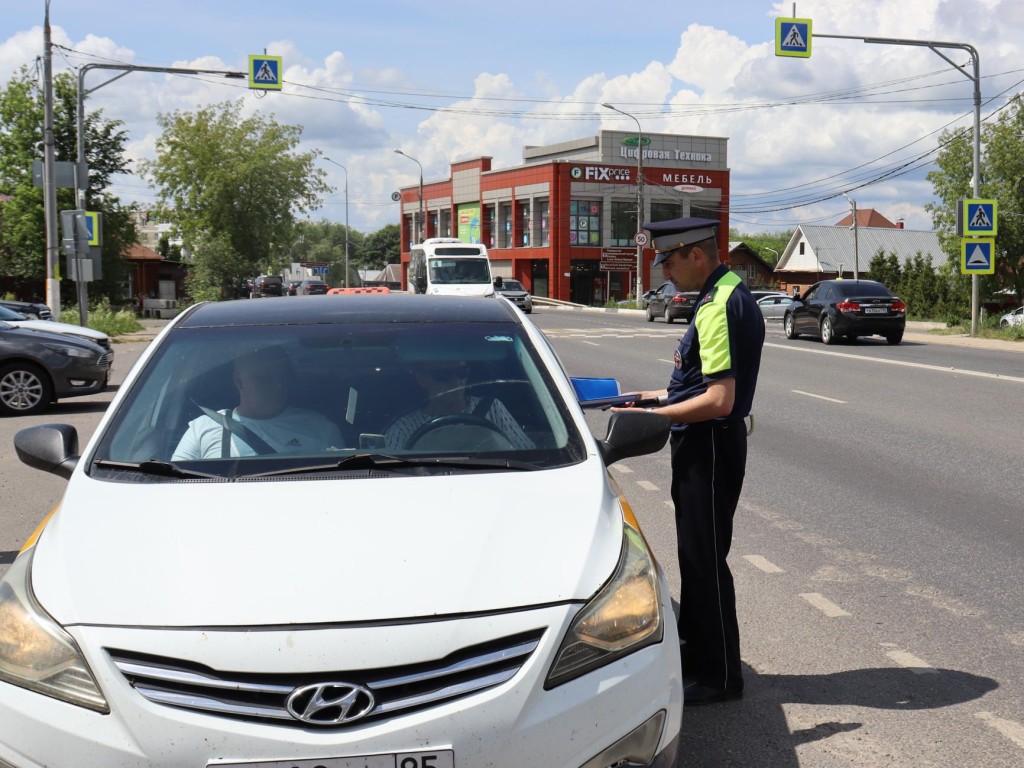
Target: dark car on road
(837, 309)
(514, 291)
(312, 288)
(268, 285)
(38, 368)
(31, 308)
(671, 304)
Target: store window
(524, 223)
(541, 223)
(505, 225)
(666, 211)
(703, 213)
(490, 219)
(584, 222)
(624, 224)
(445, 230)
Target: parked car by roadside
(760, 294)
(292, 287)
(39, 368)
(24, 321)
(670, 304)
(514, 291)
(837, 309)
(491, 631)
(33, 308)
(1016, 317)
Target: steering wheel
(494, 436)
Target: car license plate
(444, 758)
(875, 310)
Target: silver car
(1012, 318)
(773, 308)
(514, 291)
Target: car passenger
(263, 422)
(447, 395)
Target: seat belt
(230, 426)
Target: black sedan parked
(30, 308)
(836, 309)
(671, 304)
(38, 368)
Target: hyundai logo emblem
(330, 703)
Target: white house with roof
(821, 252)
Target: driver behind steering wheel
(447, 396)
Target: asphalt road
(877, 552)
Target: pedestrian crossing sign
(977, 256)
(793, 37)
(265, 73)
(978, 218)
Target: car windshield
(459, 270)
(511, 285)
(10, 314)
(469, 395)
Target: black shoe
(695, 694)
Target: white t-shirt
(294, 430)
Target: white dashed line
(824, 605)
(1012, 730)
(622, 469)
(647, 485)
(763, 564)
(591, 343)
(910, 661)
(820, 397)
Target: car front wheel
(668, 315)
(790, 327)
(25, 389)
(828, 335)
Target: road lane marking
(1010, 729)
(910, 661)
(824, 605)
(591, 343)
(906, 363)
(622, 469)
(647, 485)
(763, 564)
(671, 504)
(820, 397)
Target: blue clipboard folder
(600, 393)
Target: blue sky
(460, 79)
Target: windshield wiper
(387, 461)
(153, 467)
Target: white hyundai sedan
(284, 547)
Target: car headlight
(69, 351)
(37, 653)
(623, 617)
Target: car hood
(325, 551)
(51, 326)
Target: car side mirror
(796, 296)
(633, 433)
(52, 448)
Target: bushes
(103, 318)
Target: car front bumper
(601, 715)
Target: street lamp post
(81, 184)
(423, 221)
(639, 196)
(346, 212)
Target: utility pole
(50, 177)
(856, 258)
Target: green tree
(236, 181)
(381, 248)
(1002, 174)
(22, 223)
(768, 245)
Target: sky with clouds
(460, 79)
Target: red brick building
(563, 222)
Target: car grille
(104, 361)
(263, 698)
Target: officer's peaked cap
(666, 236)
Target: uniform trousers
(708, 466)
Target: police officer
(708, 397)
